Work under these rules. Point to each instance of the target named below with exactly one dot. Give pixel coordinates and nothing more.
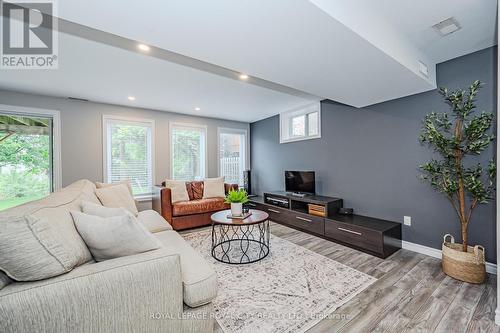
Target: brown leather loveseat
(188, 214)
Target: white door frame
(246, 147)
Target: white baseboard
(436, 253)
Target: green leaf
(237, 196)
(467, 134)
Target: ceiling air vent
(447, 26)
(422, 68)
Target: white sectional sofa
(166, 290)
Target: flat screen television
(300, 182)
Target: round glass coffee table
(237, 241)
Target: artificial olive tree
(454, 135)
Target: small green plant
(236, 196)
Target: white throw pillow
(213, 188)
(178, 190)
(91, 208)
(123, 182)
(117, 197)
(114, 237)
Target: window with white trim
(29, 154)
(188, 151)
(232, 154)
(129, 153)
(301, 124)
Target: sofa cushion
(33, 249)
(114, 237)
(178, 190)
(214, 188)
(117, 197)
(198, 206)
(99, 210)
(123, 182)
(153, 221)
(199, 279)
(197, 190)
(54, 209)
(4, 280)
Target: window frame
(56, 136)
(105, 145)
(286, 119)
(172, 125)
(229, 130)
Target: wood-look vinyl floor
(412, 293)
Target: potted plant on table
(236, 198)
(454, 136)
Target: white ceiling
(358, 52)
(415, 20)
(107, 74)
(292, 42)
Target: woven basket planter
(464, 266)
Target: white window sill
(302, 138)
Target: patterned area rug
(290, 290)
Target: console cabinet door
(370, 240)
(305, 222)
(275, 214)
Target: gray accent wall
(370, 157)
(81, 132)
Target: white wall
(81, 132)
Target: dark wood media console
(374, 236)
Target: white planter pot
(236, 209)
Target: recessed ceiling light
(447, 26)
(197, 109)
(143, 47)
(243, 76)
(131, 98)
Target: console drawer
(275, 214)
(364, 238)
(305, 222)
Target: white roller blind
(129, 154)
(188, 152)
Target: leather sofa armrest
(162, 202)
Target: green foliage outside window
(24, 168)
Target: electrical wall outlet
(407, 220)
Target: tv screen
(300, 182)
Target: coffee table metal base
(240, 243)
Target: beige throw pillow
(114, 237)
(91, 208)
(123, 182)
(213, 188)
(117, 197)
(33, 249)
(178, 190)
